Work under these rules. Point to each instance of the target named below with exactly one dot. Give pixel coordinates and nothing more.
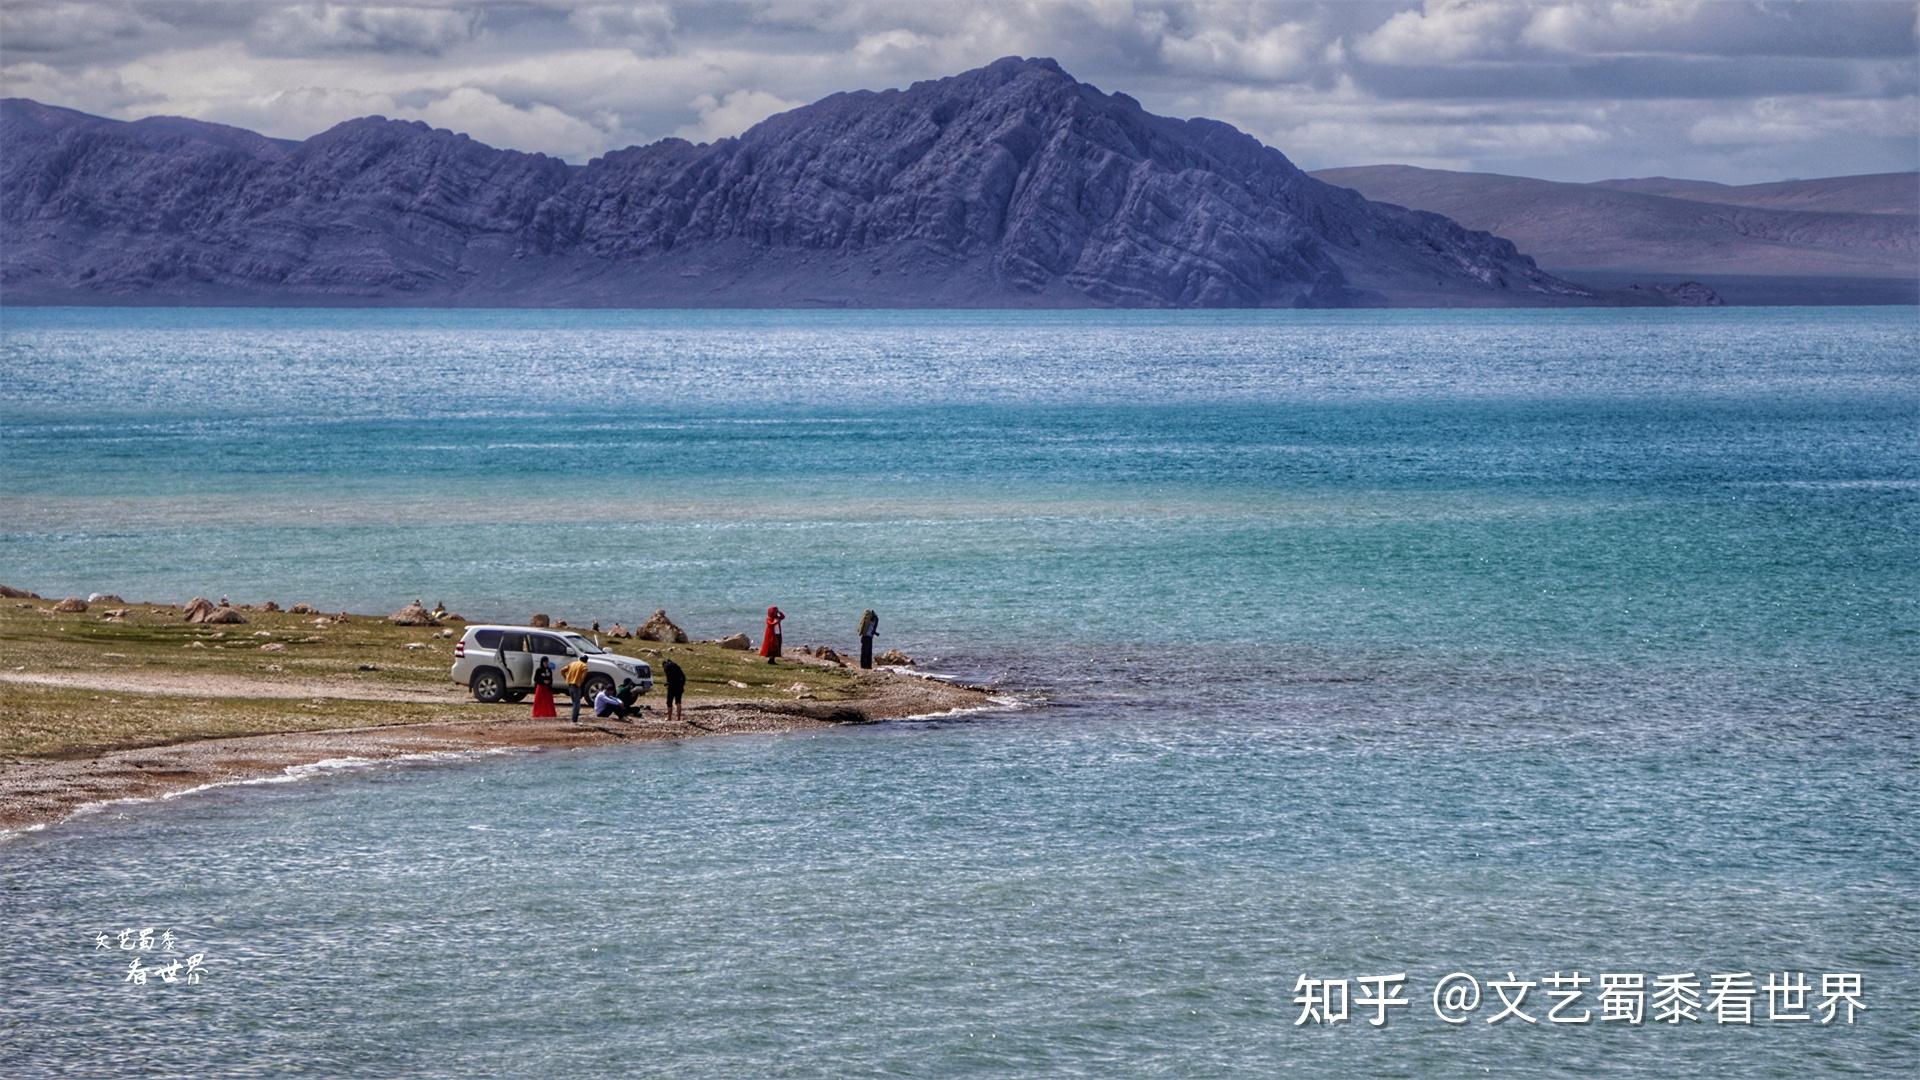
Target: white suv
(497, 662)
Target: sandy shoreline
(100, 704)
(43, 791)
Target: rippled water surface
(1351, 643)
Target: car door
(517, 659)
(555, 651)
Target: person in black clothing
(629, 693)
(869, 628)
(676, 691)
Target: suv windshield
(583, 646)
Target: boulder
(104, 598)
(198, 609)
(269, 606)
(414, 614)
(12, 593)
(737, 642)
(225, 616)
(303, 609)
(660, 628)
(540, 619)
(894, 658)
(71, 604)
(619, 631)
(826, 652)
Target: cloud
(1445, 30)
(1771, 121)
(42, 27)
(1600, 87)
(721, 117)
(642, 26)
(305, 28)
(1281, 52)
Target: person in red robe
(543, 691)
(770, 641)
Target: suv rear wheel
(489, 686)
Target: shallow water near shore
(1367, 642)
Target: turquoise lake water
(1348, 643)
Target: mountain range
(1845, 238)
(1010, 185)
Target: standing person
(543, 691)
(770, 641)
(869, 629)
(676, 691)
(576, 676)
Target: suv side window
(552, 646)
(513, 642)
(487, 639)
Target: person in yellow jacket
(576, 676)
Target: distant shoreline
(145, 706)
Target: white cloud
(306, 28)
(730, 115)
(1286, 51)
(1771, 121)
(1445, 30)
(647, 27)
(540, 128)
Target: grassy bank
(79, 683)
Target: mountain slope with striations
(1012, 185)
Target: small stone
(894, 658)
(736, 684)
(413, 645)
(369, 667)
(273, 646)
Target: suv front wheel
(489, 686)
(597, 685)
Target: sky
(1724, 90)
